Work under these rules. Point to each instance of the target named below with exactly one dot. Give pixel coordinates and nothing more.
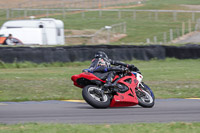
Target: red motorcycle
(128, 90)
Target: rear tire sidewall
(93, 102)
(145, 104)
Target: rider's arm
(132, 67)
(116, 63)
(98, 69)
(107, 69)
(115, 69)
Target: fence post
(183, 28)
(25, 13)
(83, 14)
(134, 15)
(165, 37)
(108, 35)
(156, 15)
(92, 40)
(171, 34)
(100, 13)
(11, 13)
(150, 15)
(148, 41)
(124, 27)
(7, 13)
(155, 39)
(175, 16)
(177, 32)
(119, 14)
(189, 26)
(121, 28)
(18, 13)
(193, 16)
(47, 13)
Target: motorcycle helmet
(101, 55)
(103, 58)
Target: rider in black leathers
(101, 67)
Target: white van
(45, 31)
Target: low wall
(184, 52)
(83, 53)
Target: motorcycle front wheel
(94, 96)
(145, 96)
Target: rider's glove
(124, 69)
(131, 66)
(134, 68)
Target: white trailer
(45, 31)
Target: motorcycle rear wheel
(147, 99)
(93, 96)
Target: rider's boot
(108, 84)
(111, 86)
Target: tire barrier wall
(83, 53)
(185, 52)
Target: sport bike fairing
(77, 79)
(128, 98)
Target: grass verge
(170, 78)
(179, 127)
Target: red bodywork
(128, 98)
(84, 75)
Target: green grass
(137, 30)
(170, 78)
(172, 2)
(179, 127)
(168, 4)
(145, 25)
(2, 16)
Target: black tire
(148, 100)
(94, 99)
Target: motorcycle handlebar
(129, 69)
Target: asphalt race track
(165, 110)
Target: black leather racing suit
(106, 72)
